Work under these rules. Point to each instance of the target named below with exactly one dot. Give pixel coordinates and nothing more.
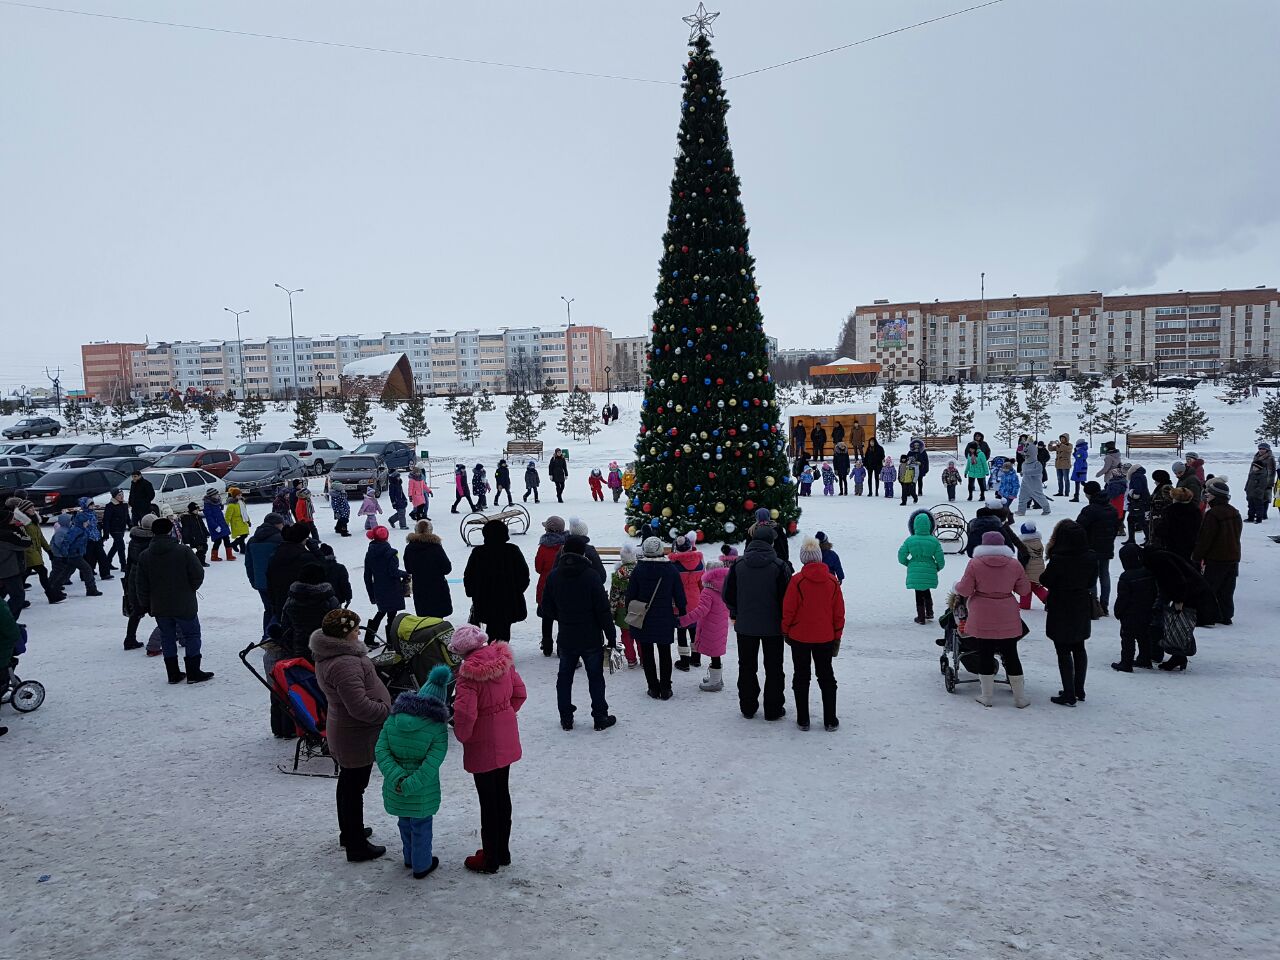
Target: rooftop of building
(1071, 301)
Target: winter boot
(231, 554)
(362, 851)
(988, 684)
(214, 556)
(682, 664)
(480, 863)
(713, 682)
(194, 673)
(604, 723)
(1018, 686)
(695, 659)
(132, 644)
(171, 667)
(93, 592)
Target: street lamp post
(319, 384)
(923, 364)
(568, 340)
(239, 345)
(293, 340)
(608, 390)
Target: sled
(294, 687)
(950, 527)
(515, 516)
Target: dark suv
(396, 454)
(265, 474)
(49, 451)
(63, 488)
(32, 427)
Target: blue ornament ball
(706, 381)
(654, 523)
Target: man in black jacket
(575, 599)
(558, 470)
(167, 578)
(115, 524)
(142, 497)
(285, 566)
(753, 592)
(1136, 593)
(818, 440)
(1100, 523)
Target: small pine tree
(1037, 397)
(249, 418)
(961, 412)
(464, 420)
(97, 420)
(1186, 419)
(927, 401)
(1116, 418)
(228, 401)
(389, 403)
(120, 425)
(1138, 389)
(73, 415)
(182, 416)
(357, 417)
(1269, 432)
(451, 403)
(1084, 388)
(413, 419)
(1010, 415)
(486, 402)
(1240, 384)
(889, 422)
(1090, 416)
(305, 417)
(579, 419)
(208, 417)
(522, 420)
(549, 400)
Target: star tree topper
(700, 23)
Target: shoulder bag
(637, 610)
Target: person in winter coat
(993, 582)
(976, 468)
(10, 637)
(689, 564)
(765, 519)
(429, 567)
(502, 482)
(1032, 490)
(595, 480)
(14, 544)
(857, 438)
(908, 470)
(951, 480)
(410, 749)
(921, 553)
(341, 507)
(1180, 585)
(237, 517)
(1061, 450)
(1069, 577)
(480, 486)
(383, 581)
(1022, 450)
(115, 524)
(618, 601)
(993, 516)
(614, 481)
(837, 434)
(830, 557)
(140, 540)
(370, 508)
(1006, 483)
(1161, 498)
(916, 449)
(495, 579)
(1136, 596)
(94, 554)
(1218, 547)
(818, 440)
(656, 581)
(487, 698)
(813, 623)
(282, 506)
(310, 598)
(874, 459)
(1029, 536)
(358, 706)
(711, 617)
(68, 545)
(419, 494)
(194, 533)
(461, 488)
(544, 560)
(860, 477)
(754, 592)
(39, 548)
(1079, 467)
(335, 575)
(1260, 483)
(167, 579)
(531, 482)
(828, 480)
(1110, 460)
(1138, 499)
(399, 502)
(142, 496)
(806, 481)
(558, 470)
(258, 551)
(799, 436)
(840, 464)
(576, 600)
(286, 565)
(888, 474)
(1100, 525)
(1179, 528)
(1188, 480)
(1115, 487)
(219, 532)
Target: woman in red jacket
(812, 622)
(544, 561)
(688, 562)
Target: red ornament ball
(751, 485)
(685, 301)
(791, 527)
(701, 536)
(684, 249)
(719, 381)
(711, 475)
(748, 505)
(645, 488)
(684, 378)
(647, 508)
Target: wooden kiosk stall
(828, 416)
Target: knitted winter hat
(312, 573)
(532, 464)
(147, 522)
(1028, 531)
(613, 464)
(1218, 489)
(993, 503)
(728, 551)
(193, 508)
(379, 533)
(627, 554)
(575, 544)
(1179, 468)
(577, 526)
(762, 515)
(340, 624)
(162, 527)
(992, 539)
(682, 543)
(652, 547)
(437, 684)
(467, 639)
(822, 539)
(1160, 476)
(763, 532)
(1092, 488)
(810, 552)
(553, 525)
(274, 519)
(295, 534)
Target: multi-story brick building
(108, 370)
(1023, 336)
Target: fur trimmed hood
(416, 705)
(423, 538)
(325, 647)
(991, 550)
(488, 663)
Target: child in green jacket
(922, 555)
(410, 749)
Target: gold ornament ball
(679, 408)
(773, 514)
(666, 511)
(670, 488)
(719, 508)
(769, 480)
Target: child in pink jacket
(712, 619)
(688, 562)
(488, 695)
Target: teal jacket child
(921, 554)
(411, 747)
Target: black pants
(874, 477)
(1141, 640)
(919, 487)
(685, 639)
(117, 550)
(924, 604)
(1008, 650)
(775, 678)
(559, 490)
(131, 631)
(139, 510)
(844, 485)
(909, 490)
(531, 490)
(817, 655)
(43, 573)
(593, 666)
(657, 675)
(96, 557)
(226, 542)
(494, 790)
(14, 590)
(240, 541)
(498, 495)
(1072, 664)
(1221, 577)
(982, 486)
(458, 500)
(547, 624)
(351, 785)
(372, 627)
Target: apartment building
(1186, 331)
(108, 369)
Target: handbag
(406, 585)
(1096, 612)
(1179, 631)
(637, 610)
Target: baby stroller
(294, 686)
(23, 695)
(417, 644)
(958, 651)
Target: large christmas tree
(711, 450)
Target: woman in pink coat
(688, 562)
(418, 493)
(712, 619)
(489, 694)
(990, 583)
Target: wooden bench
(1152, 441)
(614, 554)
(524, 448)
(942, 443)
(516, 517)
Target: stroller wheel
(950, 681)
(942, 662)
(28, 696)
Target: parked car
(83, 454)
(66, 463)
(125, 465)
(318, 455)
(258, 446)
(8, 461)
(44, 452)
(1178, 383)
(265, 474)
(19, 449)
(176, 488)
(60, 489)
(163, 449)
(354, 474)
(397, 454)
(217, 462)
(15, 480)
(29, 427)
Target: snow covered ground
(140, 820)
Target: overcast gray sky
(154, 175)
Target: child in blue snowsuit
(341, 508)
(888, 474)
(806, 481)
(1079, 467)
(828, 480)
(1008, 483)
(859, 477)
(216, 521)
